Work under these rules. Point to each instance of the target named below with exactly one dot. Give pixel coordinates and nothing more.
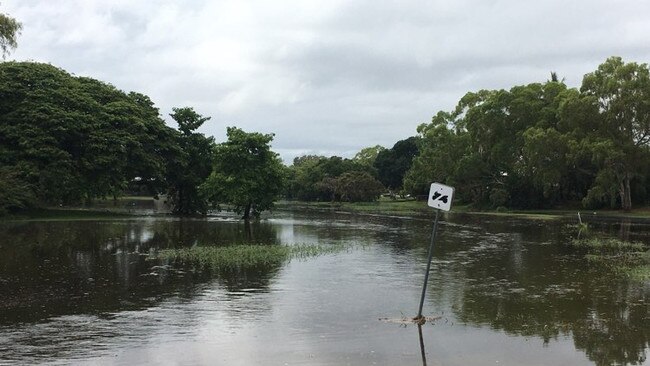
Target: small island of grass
(630, 259)
(243, 256)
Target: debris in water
(407, 320)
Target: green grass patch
(411, 207)
(243, 256)
(640, 273)
(620, 257)
(407, 207)
(523, 215)
(608, 244)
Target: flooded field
(502, 291)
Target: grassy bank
(411, 207)
(406, 207)
(243, 256)
(415, 208)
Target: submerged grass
(613, 244)
(641, 273)
(621, 257)
(244, 256)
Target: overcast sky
(327, 77)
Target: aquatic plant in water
(621, 257)
(606, 244)
(243, 256)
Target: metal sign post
(440, 197)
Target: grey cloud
(327, 77)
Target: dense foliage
(393, 163)
(540, 145)
(318, 178)
(67, 139)
(247, 175)
(190, 167)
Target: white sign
(440, 196)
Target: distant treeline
(540, 145)
(534, 146)
(67, 140)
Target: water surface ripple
(503, 291)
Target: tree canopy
(368, 155)
(393, 163)
(318, 178)
(247, 175)
(191, 166)
(618, 96)
(71, 139)
(539, 145)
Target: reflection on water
(422, 348)
(507, 291)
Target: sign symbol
(436, 196)
(440, 196)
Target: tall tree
(442, 151)
(620, 93)
(247, 174)
(9, 31)
(393, 163)
(188, 170)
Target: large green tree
(500, 148)
(442, 151)
(392, 164)
(72, 139)
(618, 95)
(247, 175)
(539, 145)
(192, 166)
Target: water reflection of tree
(56, 268)
(205, 232)
(557, 295)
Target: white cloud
(326, 76)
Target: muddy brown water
(502, 291)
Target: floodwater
(503, 292)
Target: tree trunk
(625, 192)
(247, 212)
